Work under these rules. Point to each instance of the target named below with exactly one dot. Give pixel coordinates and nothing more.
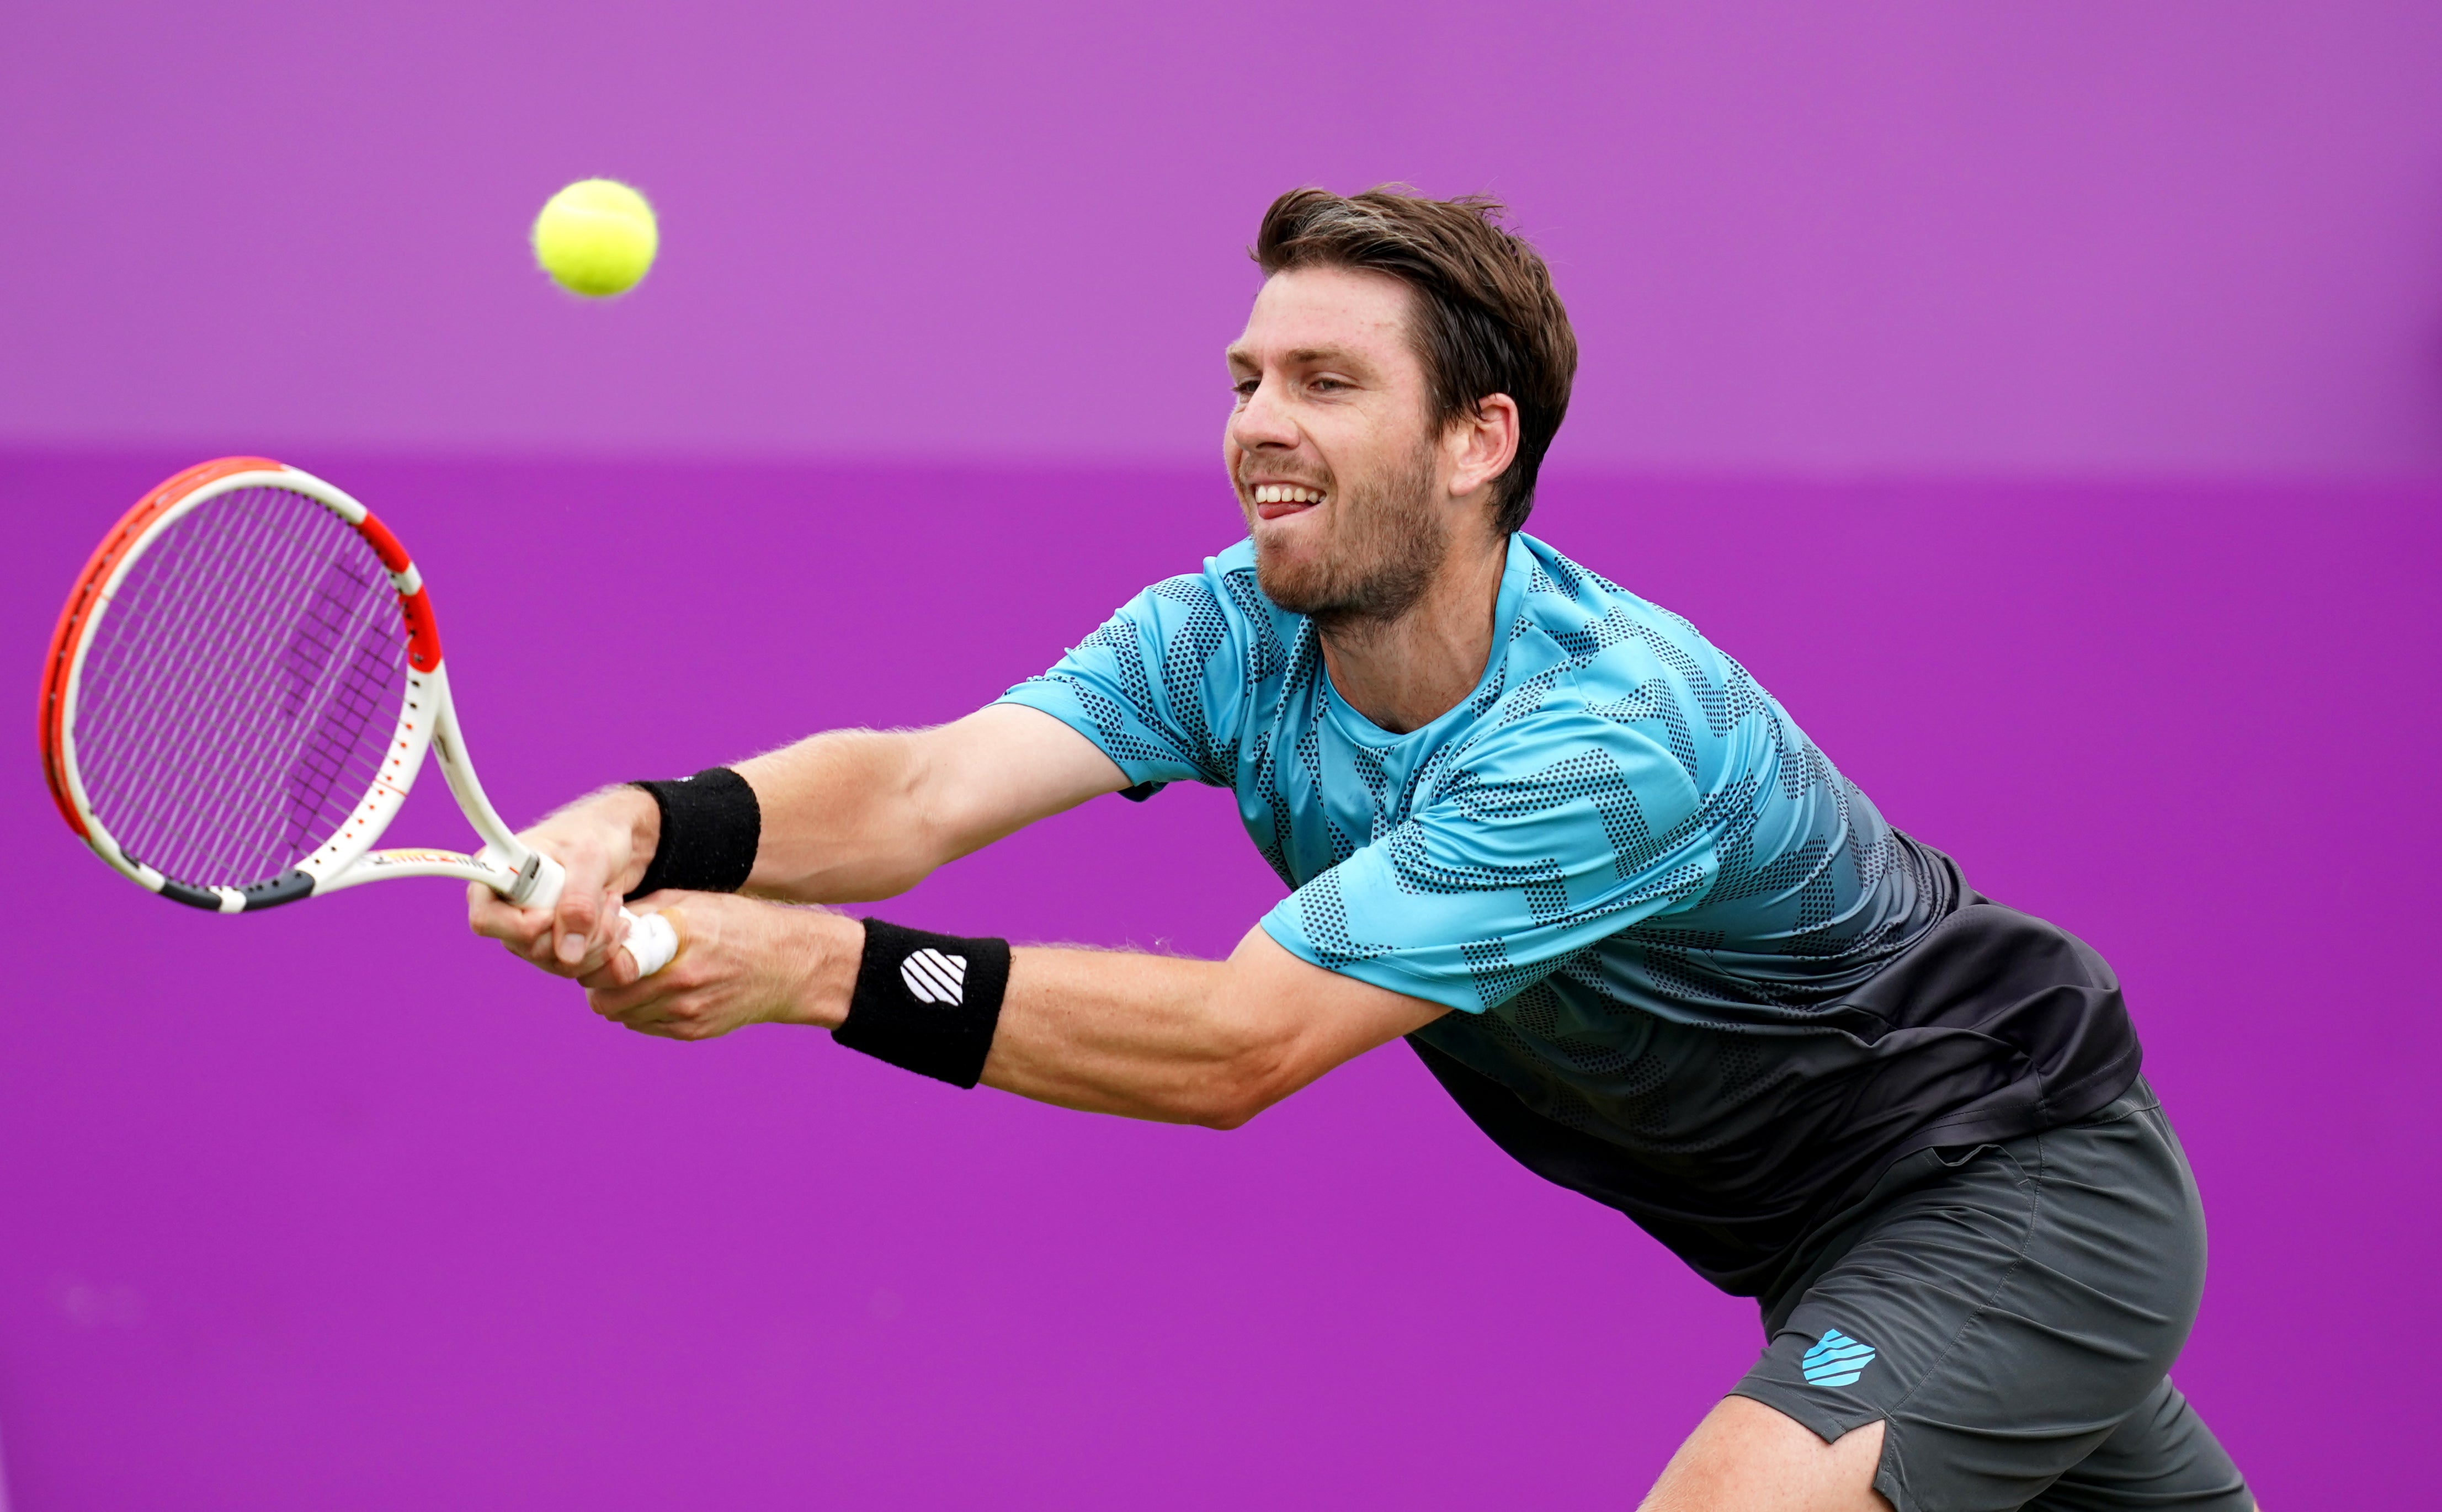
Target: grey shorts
(2010, 1312)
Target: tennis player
(1636, 923)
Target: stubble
(1385, 546)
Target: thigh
(1744, 1457)
(2161, 1456)
(2003, 1318)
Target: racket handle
(651, 939)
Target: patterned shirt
(1646, 893)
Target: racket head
(241, 687)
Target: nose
(1263, 424)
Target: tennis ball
(596, 238)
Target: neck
(1405, 672)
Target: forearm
(1155, 1037)
(843, 817)
(1141, 1036)
(854, 815)
(839, 821)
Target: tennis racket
(241, 691)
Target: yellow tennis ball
(596, 238)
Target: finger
(578, 915)
(601, 945)
(657, 1006)
(625, 1005)
(616, 964)
(676, 917)
(655, 1017)
(616, 999)
(589, 907)
(528, 937)
(486, 914)
(618, 968)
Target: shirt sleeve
(1548, 836)
(1160, 688)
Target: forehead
(1341, 310)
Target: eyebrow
(1240, 357)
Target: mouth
(1279, 500)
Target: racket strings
(306, 712)
(121, 735)
(170, 595)
(241, 690)
(335, 646)
(173, 591)
(134, 704)
(202, 575)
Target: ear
(1482, 446)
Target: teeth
(1286, 494)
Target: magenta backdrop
(2081, 235)
(336, 1207)
(286, 1232)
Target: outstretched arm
(848, 816)
(854, 815)
(1110, 1031)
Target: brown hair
(1487, 321)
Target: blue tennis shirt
(1651, 899)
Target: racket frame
(427, 720)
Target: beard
(1384, 545)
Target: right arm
(848, 816)
(854, 815)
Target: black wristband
(711, 825)
(928, 1003)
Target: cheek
(1354, 448)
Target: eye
(1245, 388)
(1331, 385)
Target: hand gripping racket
(241, 690)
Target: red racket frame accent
(386, 546)
(423, 636)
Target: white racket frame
(427, 722)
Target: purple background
(332, 1206)
(2029, 235)
(2044, 401)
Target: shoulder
(1594, 667)
(1587, 617)
(1618, 646)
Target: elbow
(1228, 1115)
(1246, 1086)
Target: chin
(1286, 581)
(1295, 583)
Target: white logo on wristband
(933, 978)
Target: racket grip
(651, 939)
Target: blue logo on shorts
(1836, 1359)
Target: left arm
(1156, 1037)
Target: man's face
(1331, 447)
